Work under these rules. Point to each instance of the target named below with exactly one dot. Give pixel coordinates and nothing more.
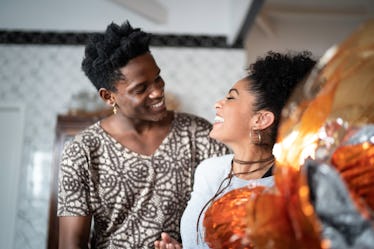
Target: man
(130, 173)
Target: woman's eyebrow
(234, 90)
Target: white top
(208, 176)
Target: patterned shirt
(133, 197)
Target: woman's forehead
(241, 84)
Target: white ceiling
(307, 10)
(162, 12)
(278, 22)
(313, 25)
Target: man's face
(140, 95)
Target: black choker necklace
(253, 162)
(248, 172)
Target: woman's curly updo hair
(106, 53)
(273, 78)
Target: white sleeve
(208, 175)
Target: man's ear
(263, 120)
(107, 96)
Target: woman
(130, 173)
(246, 121)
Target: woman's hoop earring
(255, 136)
(114, 108)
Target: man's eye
(229, 97)
(140, 89)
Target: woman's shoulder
(218, 159)
(215, 165)
(265, 181)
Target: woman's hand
(167, 242)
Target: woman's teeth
(218, 119)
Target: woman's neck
(252, 165)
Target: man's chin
(160, 116)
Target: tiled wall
(44, 78)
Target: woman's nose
(218, 104)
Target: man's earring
(114, 108)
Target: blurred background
(201, 46)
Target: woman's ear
(107, 96)
(263, 120)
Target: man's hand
(167, 242)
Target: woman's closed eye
(232, 94)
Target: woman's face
(140, 95)
(232, 123)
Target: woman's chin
(213, 134)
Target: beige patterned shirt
(133, 197)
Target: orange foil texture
(264, 218)
(356, 166)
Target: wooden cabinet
(66, 128)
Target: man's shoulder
(192, 120)
(93, 129)
(190, 116)
(85, 136)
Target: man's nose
(157, 91)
